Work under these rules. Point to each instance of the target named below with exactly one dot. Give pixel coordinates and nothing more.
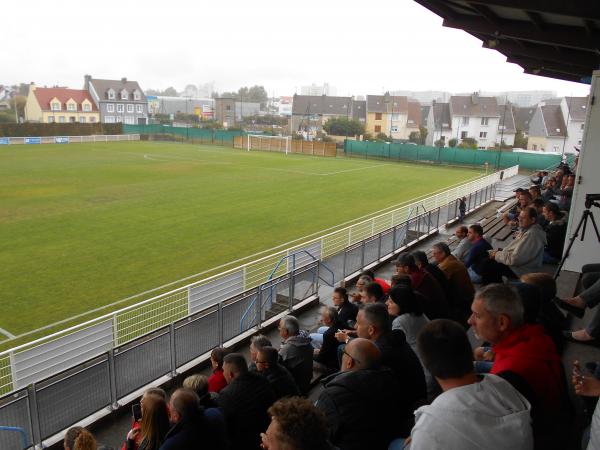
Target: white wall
(474, 128)
(587, 182)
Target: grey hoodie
(489, 415)
(526, 252)
(296, 355)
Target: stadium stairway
(506, 188)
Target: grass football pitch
(85, 225)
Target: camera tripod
(581, 226)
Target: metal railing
(68, 139)
(46, 356)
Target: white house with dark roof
(118, 100)
(506, 125)
(576, 113)
(477, 117)
(547, 129)
(439, 124)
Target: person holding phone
(154, 424)
(136, 413)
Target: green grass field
(83, 226)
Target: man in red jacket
(524, 356)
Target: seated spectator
(361, 284)
(296, 353)
(78, 438)
(136, 421)
(566, 193)
(537, 178)
(327, 353)
(422, 262)
(374, 293)
(199, 384)
(523, 255)
(436, 303)
(473, 412)
(380, 281)
(460, 282)
(538, 204)
(526, 357)
(588, 386)
(281, 380)
(588, 298)
(535, 192)
(478, 255)
(403, 306)
(549, 190)
(464, 245)
(190, 427)
(216, 381)
(361, 402)
(346, 310)
(556, 231)
(256, 344)
(400, 279)
(154, 424)
(513, 212)
(296, 424)
(244, 403)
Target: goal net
(268, 143)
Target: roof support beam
(534, 64)
(586, 9)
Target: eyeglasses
(351, 357)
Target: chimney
(86, 82)
(475, 98)
(123, 80)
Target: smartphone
(136, 411)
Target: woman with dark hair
(154, 424)
(404, 306)
(216, 381)
(78, 438)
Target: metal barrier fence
(62, 381)
(68, 139)
(201, 135)
(47, 356)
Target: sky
(356, 46)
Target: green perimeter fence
(449, 155)
(202, 135)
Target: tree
(452, 142)
(440, 143)
(415, 137)
(381, 137)
(520, 139)
(341, 126)
(422, 134)
(468, 142)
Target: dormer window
(55, 106)
(111, 94)
(71, 107)
(136, 95)
(87, 107)
(124, 95)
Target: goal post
(268, 143)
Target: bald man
(360, 402)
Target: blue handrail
(21, 431)
(269, 298)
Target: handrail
(19, 430)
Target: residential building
(118, 100)
(246, 109)
(225, 111)
(506, 126)
(523, 116)
(387, 114)
(359, 111)
(476, 117)
(201, 107)
(575, 110)
(425, 114)
(316, 90)
(414, 119)
(60, 105)
(547, 130)
(439, 124)
(310, 112)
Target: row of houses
(554, 125)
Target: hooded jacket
(525, 253)
(490, 415)
(296, 355)
(556, 231)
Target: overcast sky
(359, 47)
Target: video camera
(591, 200)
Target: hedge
(58, 129)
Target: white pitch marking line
(6, 333)
(167, 158)
(327, 173)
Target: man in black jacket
(281, 380)
(244, 402)
(346, 309)
(360, 403)
(556, 232)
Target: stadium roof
(552, 38)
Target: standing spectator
(526, 357)
(523, 255)
(256, 344)
(361, 402)
(327, 354)
(280, 379)
(478, 255)
(296, 424)
(472, 413)
(154, 424)
(462, 208)
(556, 231)
(464, 244)
(244, 403)
(296, 352)
(78, 438)
(216, 381)
(435, 302)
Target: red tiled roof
(45, 95)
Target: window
(61, 119)
(109, 119)
(71, 107)
(72, 119)
(396, 117)
(136, 95)
(129, 108)
(483, 134)
(395, 129)
(51, 119)
(463, 134)
(119, 119)
(110, 107)
(111, 94)
(140, 109)
(377, 128)
(465, 120)
(93, 119)
(579, 142)
(555, 149)
(582, 125)
(228, 107)
(484, 120)
(377, 116)
(82, 119)
(55, 106)
(130, 120)
(124, 95)
(87, 107)
(120, 107)
(534, 147)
